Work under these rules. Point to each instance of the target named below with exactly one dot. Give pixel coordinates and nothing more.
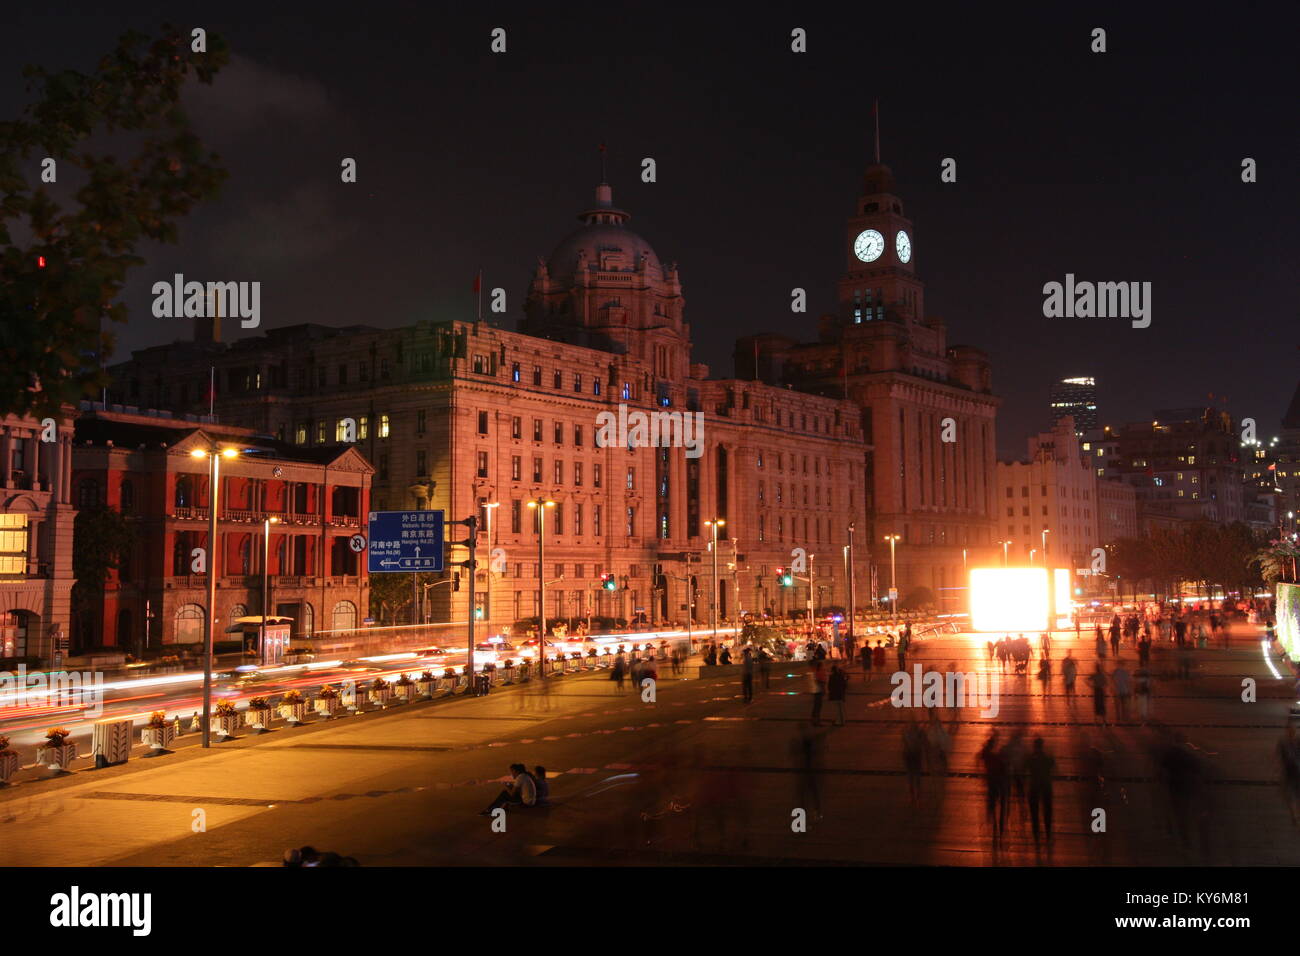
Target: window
(345, 616)
(343, 374)
(595, 475)
(300, 433)
(482, 423)
(341, 430)
(514, 372)
(631, 521)
(188, 624)
(126, 499)
(559, 379)
(577, 436)
(627, 391)
(482, 464)
(577, 473)
(13, 543)
(419, 423)
(631, 477)
(577, 381)
(516, 468)
(516, 516)
(480, 364)
(537, 375)
(88, 492)
(558, 433)
(595, 386)
(537, 429)
(596, 513)
(320, 432)
(383, 426)
(559, 472)
(421, 463)
(577, 521)
(516, 427)
(363, 427)
(537, 471)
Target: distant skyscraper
(1076, 397)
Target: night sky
(1123, 166)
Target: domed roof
(603, 242)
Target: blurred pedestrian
(996, 783)
(837, 686)
(1123, 689)
(747, 674)
(913, 756)
(1098, 681)
(1041, 766)
(817, 687)
(1069, 670)
(1142, 690)
(765, 667)
(864, 655)
(878, 655)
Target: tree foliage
(52, 317)
(100, 538)
(1202, 554)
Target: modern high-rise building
(1076, 397)
(928, 407)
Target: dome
(603, 242)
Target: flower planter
(327, 707)
(294, 713)
(259, 720)
(425, 687)
(8, 766)
(225, 725)
(158, 739)
(381, 696)
(404, 692)
(57, 758)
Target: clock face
(903, 246)
(869, 245)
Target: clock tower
(880, 280)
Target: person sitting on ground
(543, 786)
(521, 790)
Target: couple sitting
(523, 789)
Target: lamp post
(848, 553)
(488, 508)
(541, 504)
(1046, 532)
(1005, 545)
(1032, 552)
(714, 525)
(266, 578)
(214, 456)
(893, 571)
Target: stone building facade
(141, 466)
(37, 512)
(474, 419)
(928, 411)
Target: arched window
(236, 612)
(184, 492)
(345, 616)
(188, 625)
(127, 498)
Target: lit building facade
(1054, 491)
(1076, 397)
(36, 520)
(928, 410)
(140, 465)
(463, 416)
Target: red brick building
(141, 466)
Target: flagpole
(479, 283)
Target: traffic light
(455, 582)
(784, 578)
(609, 582)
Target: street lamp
(541, 504)
(266, 578)
(1005, 545)
(1032, 552)
(1046, 532)
(893, 572)
(214, 456)
(848, 553)
(488, 508)
(714, 525)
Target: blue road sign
(406, 540)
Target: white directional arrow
(386, 563)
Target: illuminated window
(383, 426)
(13, 543)
(363, 427)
